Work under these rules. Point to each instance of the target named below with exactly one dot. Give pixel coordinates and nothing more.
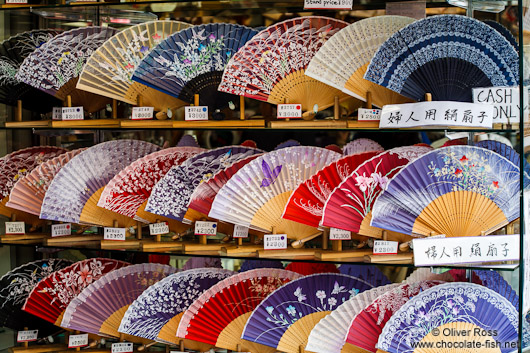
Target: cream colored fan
(342, 61)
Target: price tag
(27, 336)
(275, 241)
(72, 113)
(142, 113)
(13, 228)
(383, 247)
(158, 228)
(75, 341)
(59, 230)
(240, 231)
(57, 113)
(196, 113)
(289, 111)
(122, 347)
(328, 4)
(16, 2)
(369, 114)
(205, 228)
(114, 234)
(339, 234)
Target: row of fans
(305, 307)
(307, 60)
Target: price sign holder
(157, 229)
(59, 230)
(385, 247)
(72, 113)
(142, 113)
(196, 113)
(76, 341)
(122, 347)
(289, 111)
(27, 336)
(114, 234)
(15, 228)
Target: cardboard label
(142, 113)
(505, 102)
(339, 234)
(75, 341)
(196, 113)
(14, 228)
(383, 247)
(275, 241)
(205, 228)
(369, 114)
(59, 230)
(158, 228)
(114, 234)
(72, 113)
(289, 111)
(57, 113)
(27, 336)
(240, 231)
(122, 347)
(328, 4)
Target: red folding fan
(311, 268)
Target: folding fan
(329, 334)
(454, 307)
(505, 32)
(342, 61)
(171, 195)
(13, 51)
(271, 66)
(307, 201)
(368, 323)
(74, 192)
(55, 66)
(446, 56)
(257, 194)
(219, 315)
(109, 70)
(254, 264)
(350, 205)
(156, 313)
(311, 268)
(49, 299)
(368, 273)
(100, 307)
(461, 191)
(28, 192)
(287, 316)
(202, 262)
(362, 145)
(494, 281)
(288, 143)
(202, 198)
(425, 274)
(15, 287)
(192, 61)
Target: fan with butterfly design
(55, 66)
(271, 67)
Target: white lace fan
(256, 195)
(74, 192)
(342, 61)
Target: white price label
(142, 113)
(240, 231)
(275, 241)
(72, 113)
(383, 247)
(57, 113)
(369, 114)
(16, 2)
(158, 228)
(122, 347)
(339, 234)
(114, 233)
(196, 113)
(75, 341)
(205, 228)
(289, 111)
(59, 230)
(328, 4)
(27, 336)
(15, 228)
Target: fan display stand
(32, 238)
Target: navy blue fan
(494, 281)
(368, 273)
(192, 61)
(250, 264)
(504, 31)
(446, 56)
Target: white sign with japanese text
(158, 228)
(463, 250)
(505, 101)
(75, 341)
(443, 113)
(289, 111)
(195, 113)
(18, 2)
(384, 247)
(369, 114)
(57, 113)
(118, 234)
(122, 347)
(72, 113)
(275, 241)
(339, 234)
(240, 231)
(142, 113)
(205, 228)
(328, 4)
(14, 228)
(27, 336)
(59, 230)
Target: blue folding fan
(504, 31)
(446, 56)
(191, 61)
(368, 273)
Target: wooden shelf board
(88, 123)
(243, 249)
(354, 124)
(401, 258)
(221, 124)
(39, 348)
(73, 239)
(311, 124)
(162, 245)
(121, 244)
(146, 124)
(288, 253)
(28, 124)
(353, 255)
(204, 247)
(23, 237)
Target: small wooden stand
(42, 348)
(18, 111)
(203, 244)
(241, 107)
(336, 109)
(196, 100)
(353, 255)
(114, 113)
(407, 258)
(368, 104)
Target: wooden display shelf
(245, 249)
(220, 124)
(311, 124)
(25, 238)
(86, 124)
(354, 124)
(163, 245)
(40, 348)
(301, 254)
(131, 243)
(146, 124)
(351, 255)
(28, 124)
(401, 258)
(192, 247)
(68, 239)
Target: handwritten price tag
(289, 111)
(13, 228)
(75, 341)
(196, 113)
(57, 113)
(369, 114)
(72, 113)
(122, 347)
(505, 101)
(59, 230)
(27, 336)
(383, 247)
(275, 241)
(240, 231)
(142, 113)
(16, 2)
(339, 234)
(114, 234)
(205, 228)
(328, 4)
(158, 228)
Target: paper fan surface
(285, 318)
(478, 189)
(307, 201)
(108, 72)
(171, 195)
(28, 192)
(254, 264)
(329, 335)
(454, 306)
(257, 194)
(200, 262)
(156, 313)
(361, 145)
(342, 61)
(445, 55)
(494, 281)
(368, 273)
(55, 66)
(350, 205)
(311, 268)
(219, 315)
(50, 298)
(74, 192)
(15, 287)
(100, 307)
(505, 32)
(425, 274)
(192, 61)
(271, 67)
(366, 326)
(13, 51)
